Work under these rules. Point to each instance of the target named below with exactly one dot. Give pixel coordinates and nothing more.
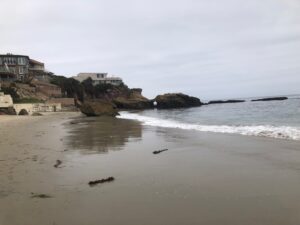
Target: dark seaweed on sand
(160, 151)
(105, 180)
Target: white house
(99, 78)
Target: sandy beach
(203, 178)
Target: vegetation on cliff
(122, 96)
(20, 95)
(86, 90)
(70, 87)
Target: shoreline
(4, 119)
(202, 178)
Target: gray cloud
(208, 48)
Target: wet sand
(203, 178)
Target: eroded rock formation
(176, 100)
(99, 108)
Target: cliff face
(32, 92)
(117, 97)
(91, 97)
(133, 100)
(122, 96)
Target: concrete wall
(63, 101)
(38, 107)
(5, 100)
(48, 89)
(28, 107)
(67, 104)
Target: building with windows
(20, 67)
(13, 67)
(99, 78)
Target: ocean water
(276, 119)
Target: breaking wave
(282, 132)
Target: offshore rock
(270, 99)
(176, 100)
(225, 101)
(134, 100)
(123, 103)
(99, 108)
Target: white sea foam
(283, 132)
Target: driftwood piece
(160, 151)
(105, 180)
(33, 195)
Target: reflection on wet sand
(99, 135)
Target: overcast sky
(207, 48)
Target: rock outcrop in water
(270, 99)
(99, 108)
(225, 101)
(123, 103)
(134, 100)
(176, 100)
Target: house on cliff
(21, 67)
(99, 78)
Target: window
(12, 70)
(10, 61)
(21, 61)
(0, 61)
(100, 75)
(21, 70)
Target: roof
(36, 62)
(12, 55)
(90, 74)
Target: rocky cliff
(121, 96)
(134, 100)
(95, 100)
(29, 92)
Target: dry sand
(203, 178)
